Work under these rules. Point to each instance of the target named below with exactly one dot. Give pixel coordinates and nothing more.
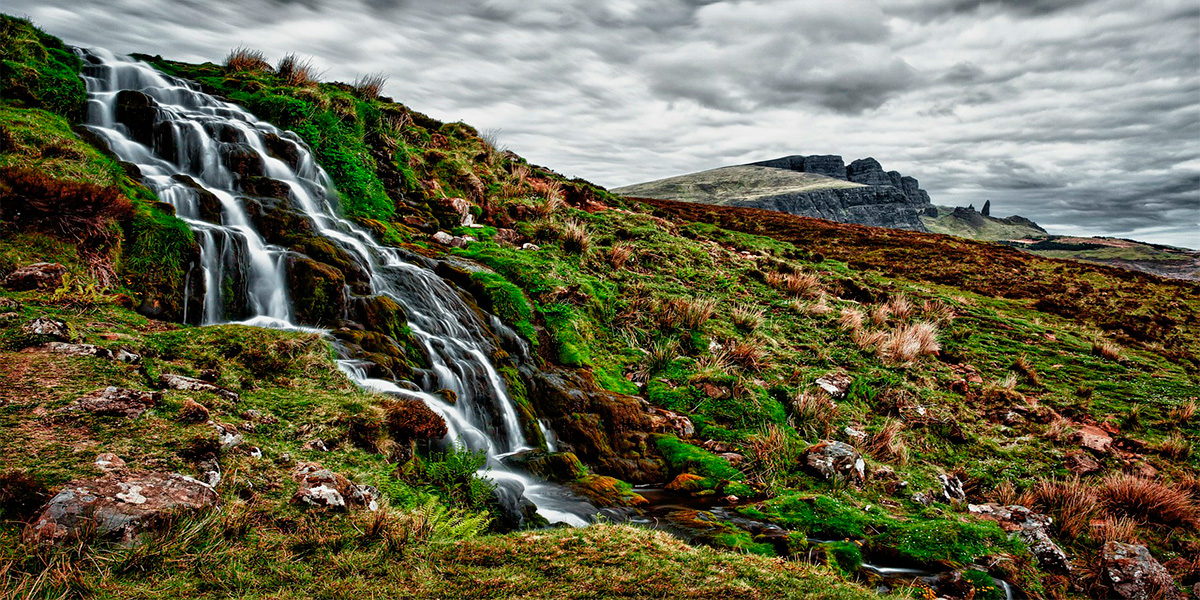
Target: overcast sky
(1083, 115)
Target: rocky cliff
(821, 186)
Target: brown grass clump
(795, 284)
(1183, 412)
(660, 355)
(1005, 494)
(1060, 429)
(575, 237)
(819, 308)
(1176, 447)
(888, 444)
(938, 311)
(544, 207)
(1146, 501)
(907, 342)
(747, 317)
(1120, 529)
(1108, 351)
(851, 319)
(880, 314)
(711, 366)
(1070, 502)
(813, 414)
(619, 255)
(690, 313)
(1025, 368)
(748, 355)
(868, 340)
(900, 307)
(296, 71)
(772, 452)
(243, 59)
(370, 86)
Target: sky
(1083, 115)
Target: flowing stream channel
(193, 138)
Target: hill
(814, 186)
(812, 406)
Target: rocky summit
(821, 186)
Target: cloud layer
(1081, 114)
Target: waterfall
(184, 158)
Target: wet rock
(282, 149)
(138, 113)
(513, 510)
(36, 276)
(685, 482)
(318, 291)
(41, 326)
(608, 491)
(119, 506)
(189, 384)
(443, 238)
(835, 384)
(109, 462)
(834, 460)
(321, 487)
(1031, 527)
(1130, 572)
(266, 187)
(1081, 463)
(554, 466)
(244, 161)
(460, 210)
(114, 401)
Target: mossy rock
(381, 314)
(277, 223)
(323, 250)
(608, 491)
(318, 291)
(554, 466)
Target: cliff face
(821, 186)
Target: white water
(202, 131)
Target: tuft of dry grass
(296, 71)
(1183, 412)
(1025, 368)
(575, 237)
(1176, 447)
(795, 284)
(691, 313)
(1120, 529)
(813, 414)
(1005, 494)
(1147, 501)
(370, 86)
(901, 307)
(1059, 430)
(619, 255)
(938, 311)
(711, 366)
(868, 340)
(851, 319)
(748, 355)
(772, 451)
(880, 314)
(906, 342)
(1070, 502)
(888, 444)
(747, 317)
(1108, 350)
(660, 355)
(243, 59)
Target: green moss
(684, 457)
(39, 71)
(157, 251)
(929, 541)
(820, 517)
(506, 301)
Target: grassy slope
(730, 184)
(992, 230)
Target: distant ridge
(820, 186)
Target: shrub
(1025, 368)
(370, 86)
(431, 523)
(747, 317)
(661, 354)
(819, 308)
(575, 237)
(245, 60)
(880, 314)
(1070, 502)
(938, 311)
(454, 476)
(296, 72)
(1146, 501)
(409, 420)
(1176, 447)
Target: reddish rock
(1094, 439)
(684, 482)
(1081, 463)
(1130, 572)
(36, 276)
(115, 401)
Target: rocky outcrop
(834, 461)
(1131, 573)
(121, 506)
(1031, 527)
(865, 171)
(36, 276)
(322, 488)
(189, 384)
(865, 205)
(115, 401)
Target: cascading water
(184, 158)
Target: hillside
(465, 347)
(814, 186)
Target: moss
(820, 517)
(158, 249)
(684, 457)
(39, 71)
(506, 301)
(927, 541)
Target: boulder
(460, 209)
(665, 421)
(685, 482)
(119, 506)
(115, 401)
(245, 161)
(138, 113)
(322, 488)
(1130, 572)
(1094, 439)
(36, 276)
(443, 238)
(554, 466)
(1081, 463)
(50, 328)
(834, 460)
(318, 291)
(109, 462)
(413, 420)
(1031, 527)
(189, 384)
(68, 349)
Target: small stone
(835, 384)
(1132, 573)
(1094, 439)
(443, 238)
(315, 445)
(1081, 463)
(529, 246)
(952, 487)
(193, 412)
(856, 436)
(835, 460)
(109, 462)
(228, 436)
(188, 384)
